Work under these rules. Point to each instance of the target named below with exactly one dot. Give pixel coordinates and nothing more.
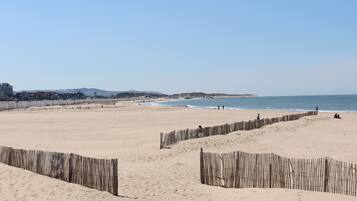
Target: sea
(325, 103)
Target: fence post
(270, 175)
(201, 166)
(70, 167)
(237, 172)
(326, 175)
(11, 153)
(115, 177)
(255, 171)
(161, 137)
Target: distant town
(7, 94)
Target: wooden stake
(326, 175)
(201, 167)
(161, 137)
(115, 177)
(270, 169)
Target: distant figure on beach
(200, 131)
(337, 116)
(222, 107)
(258, 117)
(317, 109)
(200, 128)
(218, 107)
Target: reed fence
(100, 174)
(10, 105)
(248, 170)
(176, 136)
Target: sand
(131, 133)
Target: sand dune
(131, 134)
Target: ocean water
(327, 103)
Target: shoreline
(158, 104)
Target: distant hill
(105, 93)
(208, 95)
(89, 92)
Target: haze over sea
(326, 103)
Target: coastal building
(6, 91)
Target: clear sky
(265, 47)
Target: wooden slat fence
(10, 105)
(100, 174)
(248, 170)
(176, 136)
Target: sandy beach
(130, 133)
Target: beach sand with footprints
(131, 133)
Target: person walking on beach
(222, 107)
(218, 107)
(317, 109)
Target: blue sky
(265, 47)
